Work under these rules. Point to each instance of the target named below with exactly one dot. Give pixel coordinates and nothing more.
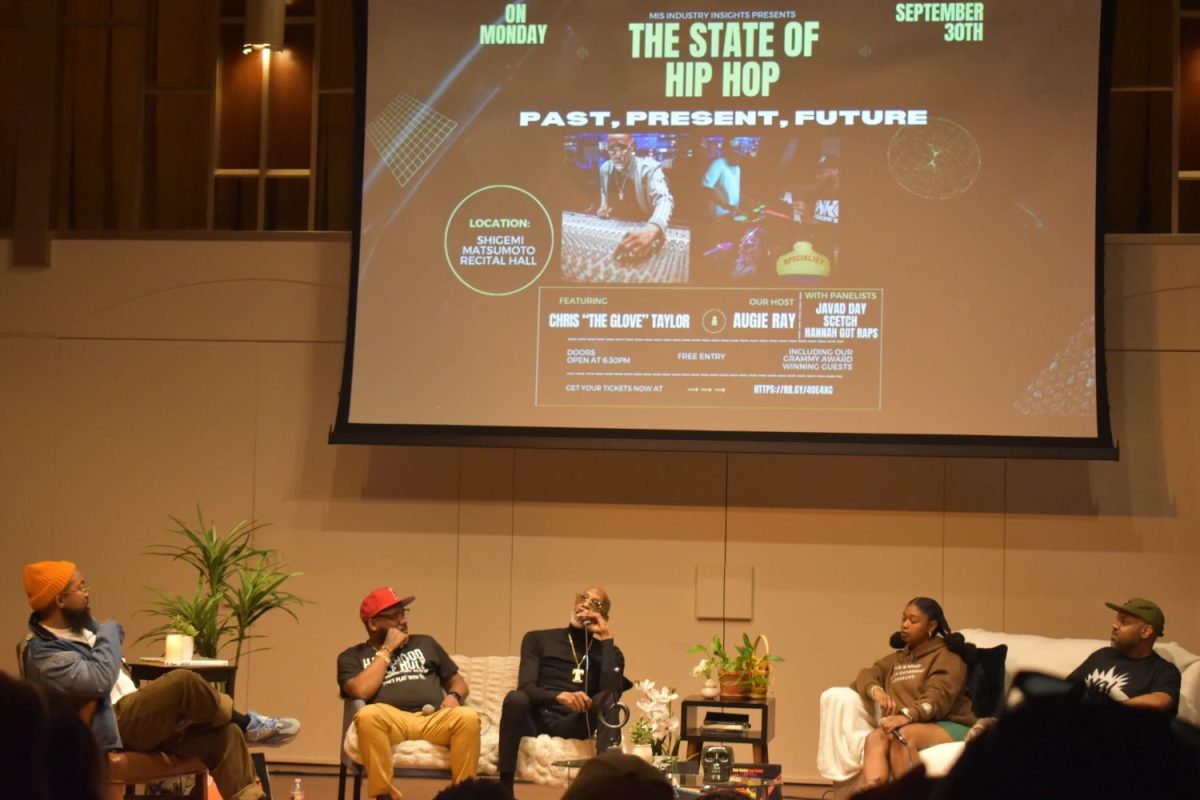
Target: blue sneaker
(270, 731)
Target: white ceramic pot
(710, 688)
(645, 752)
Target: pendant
(577, 675)
(621, 195)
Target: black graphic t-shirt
(414, 675)
(1108, 672)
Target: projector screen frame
(1099, 447)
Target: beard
(77, 621)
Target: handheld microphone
(427, 709)
(899, 737)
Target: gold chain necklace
(577, 673)
(621, 188)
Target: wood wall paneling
(10, 93)
(286, 204)
(1189, 206)
(289, 124)
(336, 179)
(1139, 57)
(337, 44)
(98, 142)
(235, 204)
(91, 12)
(239, 110)
(181, 56)
(1139, 194)
(301, 8)
(1189, 94)
(32, 217)
(176, 172)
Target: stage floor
(323, 786)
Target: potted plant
(658, 727)
(236, 585)
(726, 665)
(757, 669)
(743, 673)
(642, 737)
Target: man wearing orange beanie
(180, 713)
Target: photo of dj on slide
(668, 208)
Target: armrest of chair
(350, 707)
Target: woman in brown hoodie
(920, 689)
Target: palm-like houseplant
(236, 585)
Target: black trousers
(519, 717)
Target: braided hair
(955, 642)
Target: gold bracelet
(383, 651)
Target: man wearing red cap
(413, 690)
(180, 713)
(1130, 671)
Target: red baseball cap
(381, 599)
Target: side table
(220, 675)
(757, 737)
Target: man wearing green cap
(1130, 671)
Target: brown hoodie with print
(930, 681)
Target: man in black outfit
(568, 677)
(1130, 671)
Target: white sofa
(845, 723)
(490, 678)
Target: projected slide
(808, 217)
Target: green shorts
(957, 730)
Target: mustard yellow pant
(381, 726)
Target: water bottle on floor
(297, 791)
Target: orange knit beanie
(44, 580)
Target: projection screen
(618, 224)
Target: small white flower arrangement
(659, 718)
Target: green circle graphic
(450, 223)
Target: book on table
(725, 721)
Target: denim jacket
(79, 671)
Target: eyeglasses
(82, 587)
(618, 148)
(594, 603)
(394, 613)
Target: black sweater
(546, 665)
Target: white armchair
(490, 678)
